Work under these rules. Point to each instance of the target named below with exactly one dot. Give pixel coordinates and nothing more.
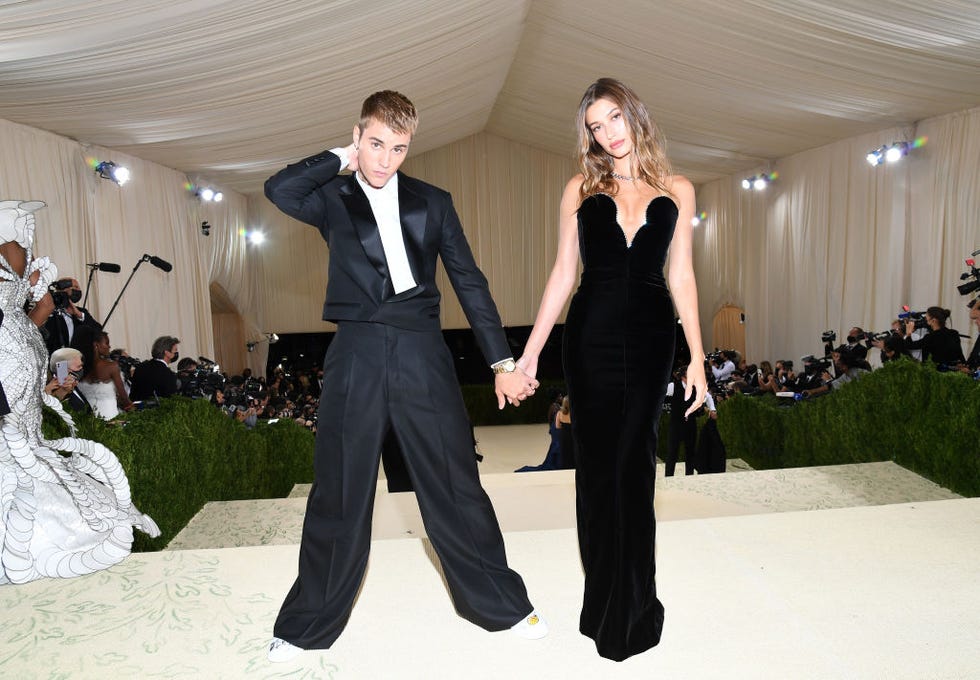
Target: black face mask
(176, 356)
(75, 296)
(851, 339)
(76, 374)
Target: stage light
(111, 171)
(893, 152)
(208, 194)
(256, 237)
(760, 181)
(896, 151)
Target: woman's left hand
(697, 383)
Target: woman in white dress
(102, 382)
(60, 516)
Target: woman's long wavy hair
(649, 162)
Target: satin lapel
(412, 210)
(361, 216)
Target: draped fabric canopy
(225, 93)
(228, 91)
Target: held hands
(697, 383)
(513, 387)
(528, 364)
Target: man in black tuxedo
(153, 377)
(388, 368)
(60, 327)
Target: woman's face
(609, 128)
(932, 321)
(102, 346)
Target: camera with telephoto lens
(918, 317)
(871, 336)
(58, 294)
(815, 366)
(974, 273)
(828, 336)
(201, 383)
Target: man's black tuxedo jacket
(151, 379)
(359, 286)
(56, 329)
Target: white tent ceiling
(228, 91)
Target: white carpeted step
(871, 592)
(546, 500)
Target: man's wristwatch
(505, 366)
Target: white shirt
(726, 370)
(384, 205)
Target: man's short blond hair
(392, 109)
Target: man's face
(380, 152)
(169, 355)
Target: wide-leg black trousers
(376, 378)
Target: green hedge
(906, 412)
(186, 453)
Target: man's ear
(357, 134)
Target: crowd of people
(920, 337)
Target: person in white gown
(60, 515)
(102, 382)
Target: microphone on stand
(159, 263)
(152, 259)
(110, 267)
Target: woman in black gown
(621, 214)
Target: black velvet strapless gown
(618, 351)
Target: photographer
(850, 366)
(785, 377)
(722, 365)
(59, 329)
(940, 344)
(853, 344)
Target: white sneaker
(531, 627)
(280, 650)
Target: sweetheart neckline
(629, 241)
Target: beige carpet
(871, 592)
(764, 574)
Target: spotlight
(896, 151)
(760, 181)
(256, 237)
(208, 194)
(111, 171)
(893, 152)
(205, 228)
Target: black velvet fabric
(618, 351)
